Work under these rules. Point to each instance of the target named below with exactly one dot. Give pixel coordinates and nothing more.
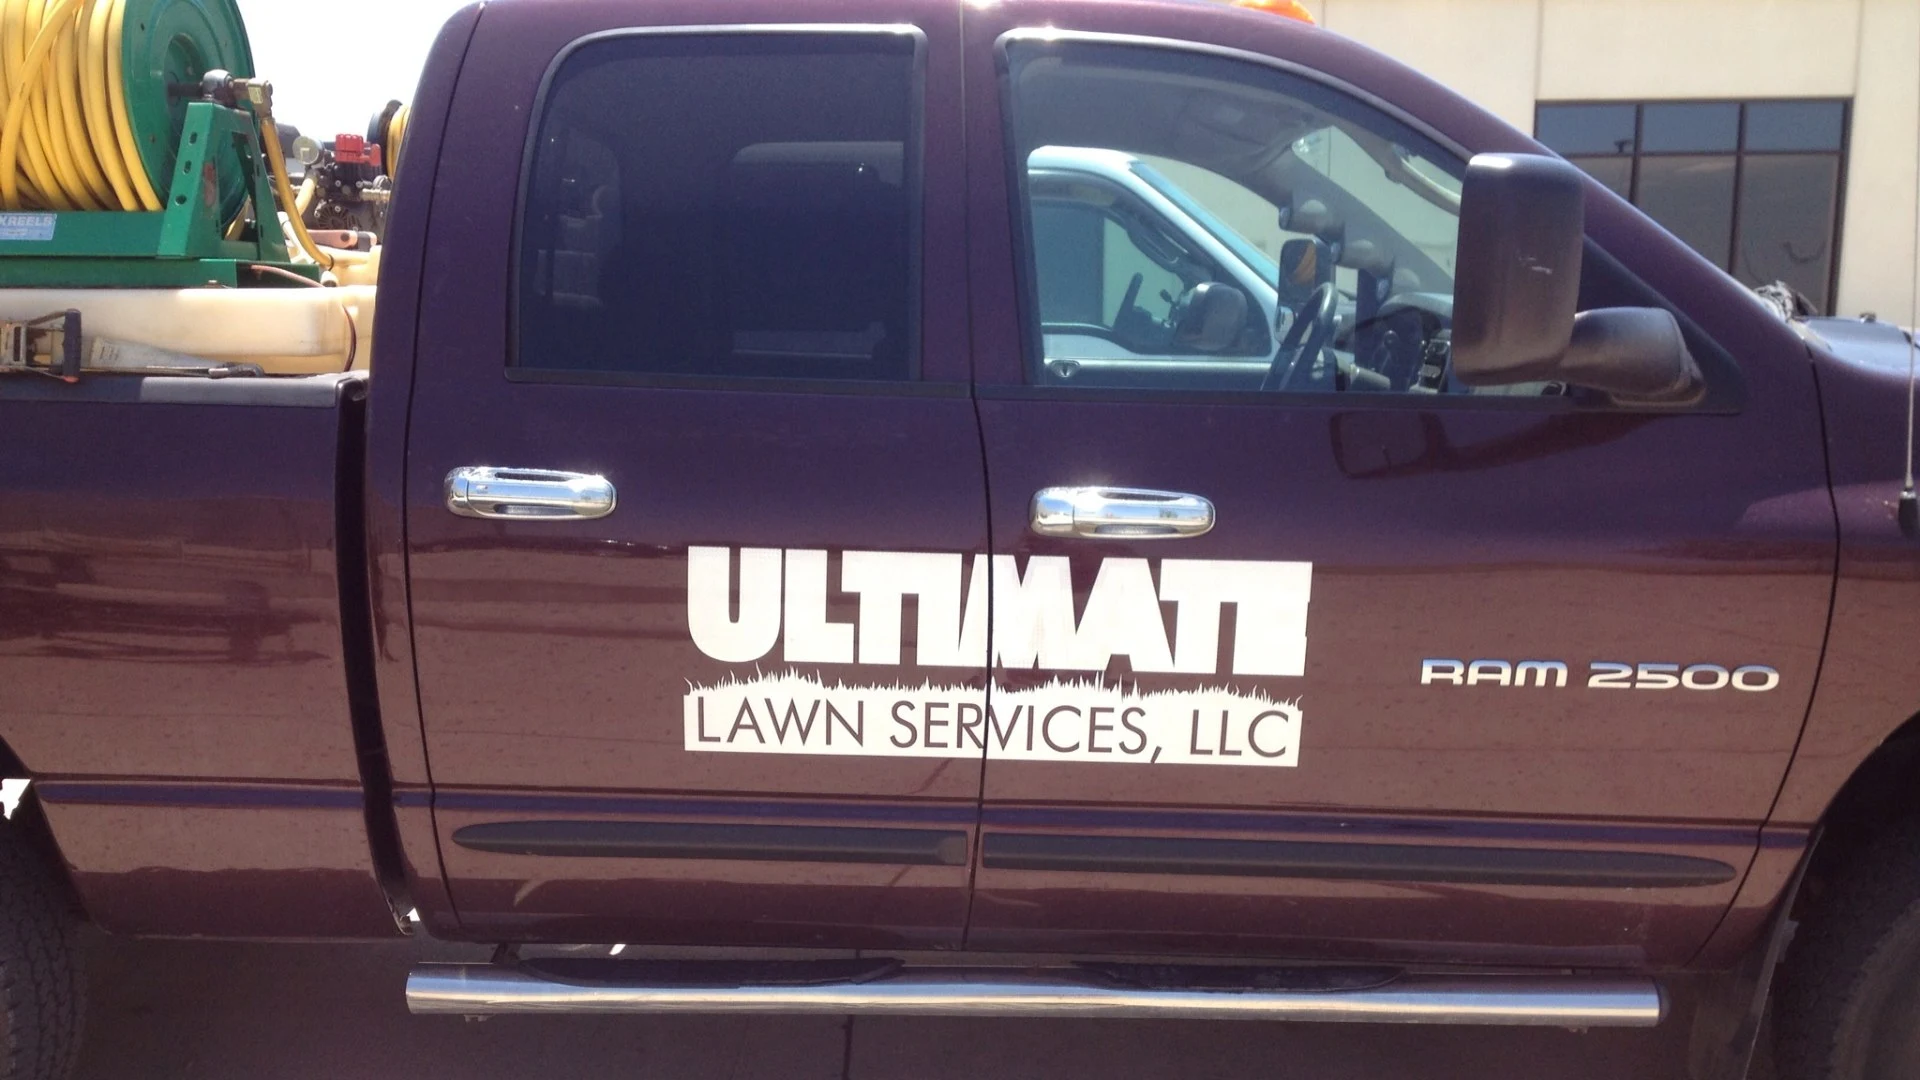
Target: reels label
(34, 227)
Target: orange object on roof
(1292, 9)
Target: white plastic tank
(287, 331)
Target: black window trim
(1739, 153)
(1726, 382)
(914, 385)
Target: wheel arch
(1884, 788)
(29, 822)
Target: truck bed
(171, 578)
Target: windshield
(1383, 192)
(1262, 264)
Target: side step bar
(1536, 1000)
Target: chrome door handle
(1120, 513)
(483, 491)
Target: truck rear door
(691, 404)
(1340, 659)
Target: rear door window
(731, 206)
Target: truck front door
(1346, 660)
(691, 408)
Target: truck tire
(42, 994)
(1848, 1003)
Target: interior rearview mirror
(1517, 291)
(1304, 266)
(1212, 318)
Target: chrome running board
(1535, 1000)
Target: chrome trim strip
(1518, 1000)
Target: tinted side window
(1200, 223)
(725, 205)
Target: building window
(1753, 185)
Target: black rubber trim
(359, 651)
(685, 840)
(1349, 862)
(647, 380)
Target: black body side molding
(1349, 862)
(697, 840)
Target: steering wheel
(1311, 330)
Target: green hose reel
(204, 160)
(168, 45)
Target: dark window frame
(1740, 153)
(913, 384)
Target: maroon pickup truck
(1361, 571)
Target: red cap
(351, 150)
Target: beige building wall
(1878, 260)
(1698, 48)
(1487, 50)
(1509, 54)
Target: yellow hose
(55, 22)
(25, 99)
(66, 142)
(98, 104)
(396, 135)
(122, 124)
(66, 76)
(283, 187)
(15, 36)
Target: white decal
(782, 596)
(810, 638)
(1083, 720)
(715, 631)
(946, 636)
(778, 597)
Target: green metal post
(189, 227)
